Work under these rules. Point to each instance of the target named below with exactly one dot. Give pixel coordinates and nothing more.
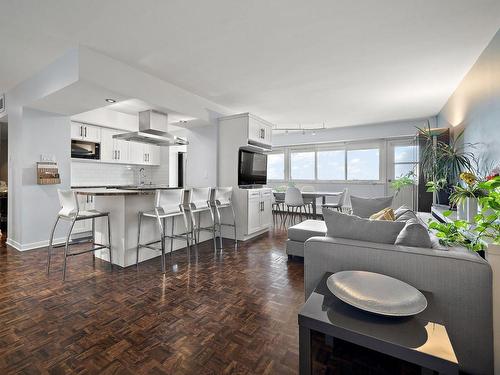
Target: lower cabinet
(259, 210)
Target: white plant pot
(462, 211)
(471, 209)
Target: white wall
(201, 170)
(34, 207)
(474, 107)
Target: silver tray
(376, 293)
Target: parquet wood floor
(230, 313)
(234, 313)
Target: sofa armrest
(460, 283)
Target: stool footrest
(88, 250)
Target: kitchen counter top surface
(110, 191)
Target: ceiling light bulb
(313, 133)
(111, 100)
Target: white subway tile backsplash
(99, 174)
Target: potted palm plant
(441, 163)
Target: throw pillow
(353, 227)
(385, 214)
(407, 215)
(401, 210)
(365, 207)
(414, 234)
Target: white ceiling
(341, 62)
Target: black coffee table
(421, 339)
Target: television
(252, 168)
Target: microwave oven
(85, 150)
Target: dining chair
(278, 206)
(294, 203)
(309, 202)
(339, 204)
(70, 212)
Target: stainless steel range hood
(153, 130)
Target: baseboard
(34, 245)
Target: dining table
(310, 196)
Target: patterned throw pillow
(385, 214)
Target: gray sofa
(460, 281)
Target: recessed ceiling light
(111, 100)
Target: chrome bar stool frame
(198, 203)
(220, 198)
(70, 212)
(169, 204)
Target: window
(276, 166)
(405, 160)
(363, 164)
(302, 165)
(331, 165)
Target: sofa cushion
(307, 229)
(365, 207)
(414, 234)
(353, 227)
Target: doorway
(402, 162)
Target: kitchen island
(124, 206)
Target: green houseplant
(399, 183)
(440, 161)
(484, 231)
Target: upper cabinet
(141, 153)
(247, 130)
(113, 150)
(259, 131)
(116, 150)
(85, 132)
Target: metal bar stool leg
(172, 237)
(51, 240)
(66, 248)
(138, 241)
(213, 229)
(93, 242)
(160, 227)
(234, 223)
(109, 243)
(220, 226)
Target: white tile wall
(99, 174)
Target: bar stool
(220, 198)
(199, 202)
(70, 212)
(168, 205)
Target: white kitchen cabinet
(259, 210)
(144, 154)
(84, 132)
(113, 150)
(136, 153)
(259, 131)
(152, 154)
